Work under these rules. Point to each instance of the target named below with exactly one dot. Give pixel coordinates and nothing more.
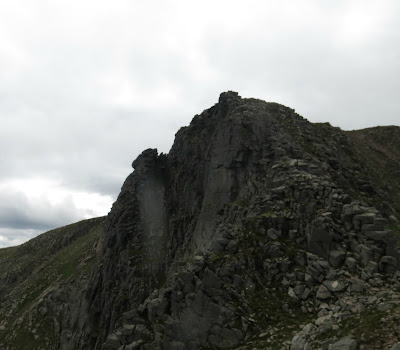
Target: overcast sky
(86, 85)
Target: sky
(86, 86)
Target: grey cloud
(12, 237)
(308, 69)
(61, 87)
(20, 213)
(93, 158)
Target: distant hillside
(31, 270)
(258, 230)
(380, 146)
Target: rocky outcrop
(236, 171)
(257, 230)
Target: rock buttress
(253, 207)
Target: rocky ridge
(259, 230)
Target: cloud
(13, 237)
(32, 206)
(86, 86)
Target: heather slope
(380, 147)
(33, 269)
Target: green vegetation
(267, 214)
(241, 201)
(6, 252)
(37, 267)
(396, 230)
(271, 315)
(374, 328)
(380, 148)
(270, 310)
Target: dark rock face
(174, 259)
(251, 222)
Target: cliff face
(255, 224)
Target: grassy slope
(28, 271)
(381, 148)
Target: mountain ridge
(255, 211)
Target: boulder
(334, 286)
(336, 258)
(351, 264)
(346, 343)
(298, 342)
(323, 293)
(273, 234)
(388, 264)
(396, 346)
(112, 342)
